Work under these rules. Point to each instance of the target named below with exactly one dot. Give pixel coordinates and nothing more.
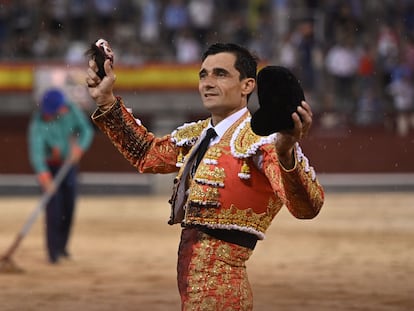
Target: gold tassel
(245, 170)
(180, 157)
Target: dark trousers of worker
(59, 215)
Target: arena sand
(358, 254)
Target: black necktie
(211, 133)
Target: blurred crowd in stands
(355, 58)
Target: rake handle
(40, 207)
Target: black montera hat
(279, 94)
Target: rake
(7, 265)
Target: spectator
(388, 49)
(175, 19)
(187, 48)
(104, 11)
(149, 30)
(342, 61)
(369, 106)
(22, 24)
(402, 93)
(78, 19)
(201, 13)
(306, 50)
(287, 56)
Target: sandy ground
(358, 254)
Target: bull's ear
(99, 52)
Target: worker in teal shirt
(58, 132)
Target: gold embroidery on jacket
(210, 176)
(202, 195)
(232, 218)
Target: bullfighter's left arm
(298, 187)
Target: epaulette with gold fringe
(186, 136)
(244, 143)
(188, 133)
